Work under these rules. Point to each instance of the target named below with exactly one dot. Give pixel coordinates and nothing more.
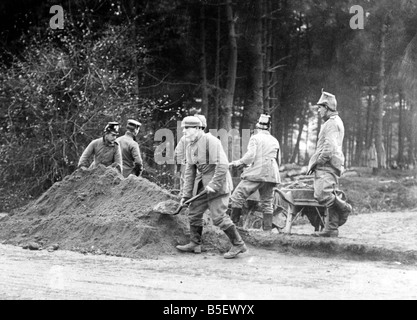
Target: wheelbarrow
(300, 201)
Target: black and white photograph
(208, 157)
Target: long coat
(130, 153)
(262, 158)
(329, 145)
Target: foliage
(58, 97)
(120, 59)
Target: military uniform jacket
(261, 158)
(103, 152)
(206, 154)
(130, 152)
(329, 145)
(179, 152)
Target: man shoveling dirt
(205, 154)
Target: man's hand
(210, 190)
(137, 169)
(311, 170)
(237, 164)
(233, 164)
(183, 200)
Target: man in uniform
(105, 150)
(132, 160)
(205, 153)
(179, 152)
(327, 165)
(261, 173)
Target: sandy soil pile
(97, 211)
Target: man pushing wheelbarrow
(327, 166)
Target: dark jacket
(130, 153)
(103, 153)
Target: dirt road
(259, 274)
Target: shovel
(167, 207)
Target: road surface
(258, 274)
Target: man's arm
(330, 143)
(250, 154)
(118, 158)
(86, 155)
(217, 156)
(189, 178)
(179, 152)
(137, 159)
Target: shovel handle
(195, 197)
(190, 200)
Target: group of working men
(121, 152)
(205, 169)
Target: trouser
(245, 188)
(217, 206)
(325, 181)
(182, 174)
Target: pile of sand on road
(98, 211)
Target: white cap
(134, 122)
(328, 100)
(191, 121)
(202, 119)
(264, 122)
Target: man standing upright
(327, 165)
(132, 160)
(105, 150)
(205, 153)
(261, 173)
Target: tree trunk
(258, 65)
(369, 122)
(401, 126)
(360, 139)
(412, 156)
(134, 12)
(268, 36)
(296, 150)
(225, 119)
(204, 88)
(215, 120)
(380, 106)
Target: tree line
(153, 60)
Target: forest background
(152, 60)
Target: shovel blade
(169, 207)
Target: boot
(195, 240)
(235, 215)
(330, 228)
(238, 245)
(344, 210)
(267, 222)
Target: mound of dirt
(98, 211)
